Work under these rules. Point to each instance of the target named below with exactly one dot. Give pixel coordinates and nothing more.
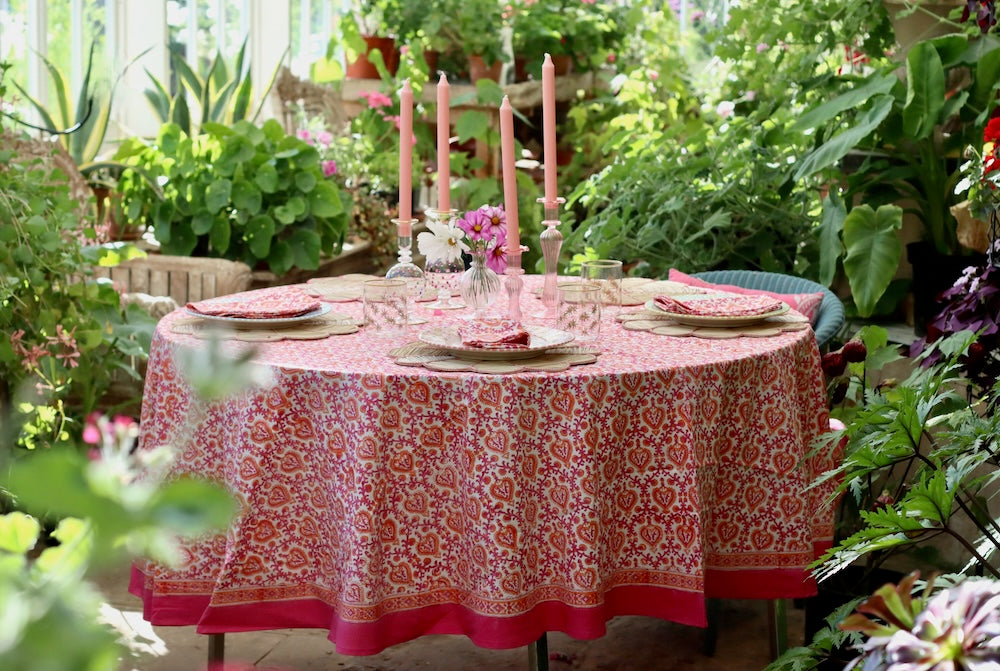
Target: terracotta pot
(562, 64)
(478, 69)
(972, 232)
(362, 68)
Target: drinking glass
(578, 310)
(607, 274)
(385, 305)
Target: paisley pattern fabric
(383, 502)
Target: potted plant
(248, 193)
(473, 28)
(370, 32)
(915, 478)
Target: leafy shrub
(242, 192)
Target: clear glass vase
(479, 286)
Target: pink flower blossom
(725, 109)
(324, 138)
(496, 256)
(329, 167)
(376, 99)
(697, 15)
(612, 58)
(762, 47)
(303, 134)
(91, 429)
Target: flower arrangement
(955, 628)
(981, 173)
(480, 231)
(486, 232)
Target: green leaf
(284, 214)
(217, 195)
(873, 252)
(247, 196)
(305, 245)
(258, 233)
(201, 223)
(925, 92)
(305, 181)
(830, 246)
(192, 506)
(219, 236)
(267, 178)
(837, 146)
(18, 532)
(471, 124)
(875, 86)
(281, 258)
(324, 200)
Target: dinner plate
(543, 338)
(713, 320)
(269, 321)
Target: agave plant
(81, 126)
(223, 95)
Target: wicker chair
(830, 316)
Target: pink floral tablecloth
(383, 502)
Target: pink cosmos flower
(497, 220)
(496, 256)
(474, 223)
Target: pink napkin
(729, 306)
(258, 305)
(495, 334)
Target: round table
(382, 502)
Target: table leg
(216, 651)
(777, 615)
(538, 655)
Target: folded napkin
(728, 306)
(258, 305)
(495, 334)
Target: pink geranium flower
(376, 99)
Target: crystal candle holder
(551, 240)
(514, 284)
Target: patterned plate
(542, 339)
(276, 321)
(714, 320)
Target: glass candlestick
(514, 284)
(551, 243)
(405, 268)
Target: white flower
(725, 109)
(441, 242)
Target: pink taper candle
(549, 129)
(509, 175)
(405, 158)
(443, 144)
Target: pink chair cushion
(808, 304)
